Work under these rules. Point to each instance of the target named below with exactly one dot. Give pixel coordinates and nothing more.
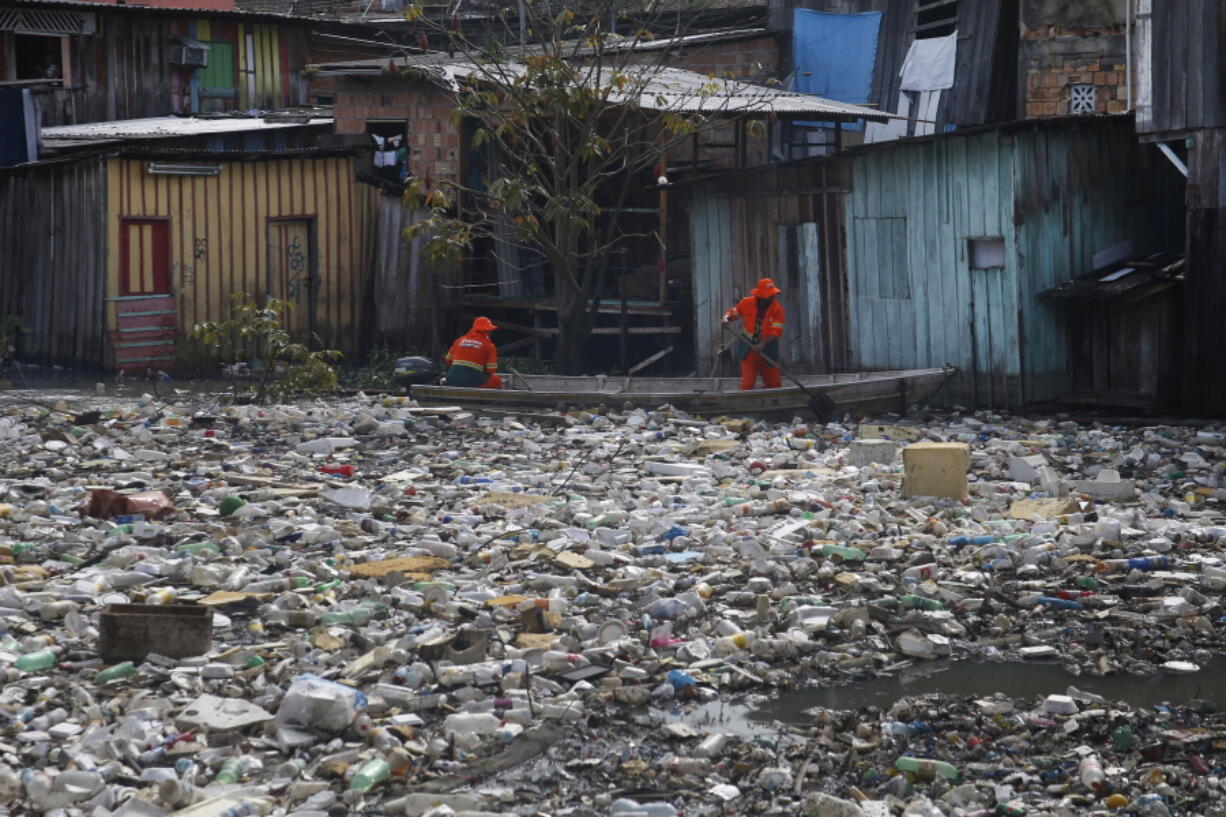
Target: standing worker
(472, 362)
(762, 325)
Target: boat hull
(854, 392)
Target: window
(39, 56)
(1082, 99)
(217, 78)
(390, 139)
(935, 18)
(987, 252)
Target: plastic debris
(413, 610)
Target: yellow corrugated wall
(219, 229)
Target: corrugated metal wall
(220, 228)
(52, 259)
(1055, 194)
(783, 223)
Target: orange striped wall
(219, 237)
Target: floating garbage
(365, 605)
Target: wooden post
(663, 231)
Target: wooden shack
(934, 251)
(111, 260)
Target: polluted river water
(1014, 679)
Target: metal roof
(660, 89)
(92, 5)
(164, 127)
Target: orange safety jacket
(473, 351)
(753, 330)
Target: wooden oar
(820, 404)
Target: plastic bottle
(623, 807)
(922, 767)
(229, 505)
(231, 770)
(1058, 604)
(115, 672)
(371, 773)
(337, 470)
(1090, 772)
(712, 746)
(471, 723)
(1122, 738)
(36, 661)
(842, 554)
(920, 602)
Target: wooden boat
(708, 396)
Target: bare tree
(577, 115)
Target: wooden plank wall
(1081, 189)
(985, 72)
(1055, 194)
(736, 238)
(52, 266)
(1188, 49)
(945, 190)
(407, 301)
(123, 71)
(1204, 374)
(219, 235)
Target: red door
(145, 308)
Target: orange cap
(765, 289)
(482, 325)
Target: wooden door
(144, 337)
(291, 272)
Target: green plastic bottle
(922, 767)
(115, 672)
(199, 549)
(846, 554)
(328, 585)
(1121, 738)
(229, 505)
(920, 602)
(253, 662)
(38, 660)
(358, 616)
(231, 770)
(1087, 583)
(371, 774)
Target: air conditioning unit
(189, 53)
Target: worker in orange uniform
(762, 325)
(472, 362)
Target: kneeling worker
(761, 327)
(473, 360)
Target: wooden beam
(648, 361)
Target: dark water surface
(1016, 680)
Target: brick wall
(1055, 58)
(434, 140)
(753, 59)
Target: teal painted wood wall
(1055, 193)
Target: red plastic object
(339, 470)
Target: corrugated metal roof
(83, 5)
(166, 127)
(659, 89)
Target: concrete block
(866, 452)
(1106, 486)
(1026, 469)
(936, 469)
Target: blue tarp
(834, 54)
